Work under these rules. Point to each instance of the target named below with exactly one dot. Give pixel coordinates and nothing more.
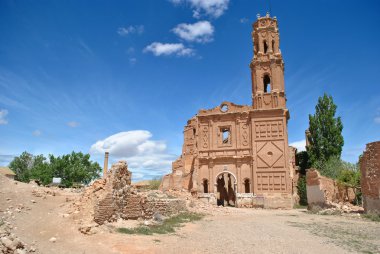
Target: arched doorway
(225, 189)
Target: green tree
(42, 172)
(325, 138)
(24, 164)
(74, 168)
(303, 161)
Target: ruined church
(238, 155)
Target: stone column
(105, 168)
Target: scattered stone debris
(53, 240)
(9, 243)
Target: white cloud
(244, 20)
(128, 144)
(158, 49)
(213, 8)
(300, 145)
(73, 124)
(3, 114)
(132, 61)
(145, 157)
(37, 133)
(377, 119)
(124, 31)
(201, 31)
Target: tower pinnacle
(267, 65)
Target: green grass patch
(372, 217)
(168, 226)
(298, 206)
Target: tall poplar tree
(325, 137)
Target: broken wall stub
(323, 191)
(370, 177)
(113, 197)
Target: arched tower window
(246, 186)
(265, 47)
(205, 186)
(273, 44)
(266, 82)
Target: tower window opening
(273, 43)
(205, 186)
(246, 186)
(226, 133)
(266, 84)
(265, 47)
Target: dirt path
(270, 231)
(238, 231)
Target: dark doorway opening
(246, 186)
(226, 190)
(205, 186)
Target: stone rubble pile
(113, 198)
(9, 242)
(338, 208)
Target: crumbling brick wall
(104, 210)
(114, 197)
(322, 191)
(370, 177)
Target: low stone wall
(370, 177)
(165, 207)
(250, 200)
(322, 190)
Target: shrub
(154, 184)
(301, 190)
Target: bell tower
(267, 66)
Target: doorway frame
(234, 184)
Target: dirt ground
(37, 214)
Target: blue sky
(127, 75)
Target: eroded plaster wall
(370, 177)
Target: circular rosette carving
(267, 100)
